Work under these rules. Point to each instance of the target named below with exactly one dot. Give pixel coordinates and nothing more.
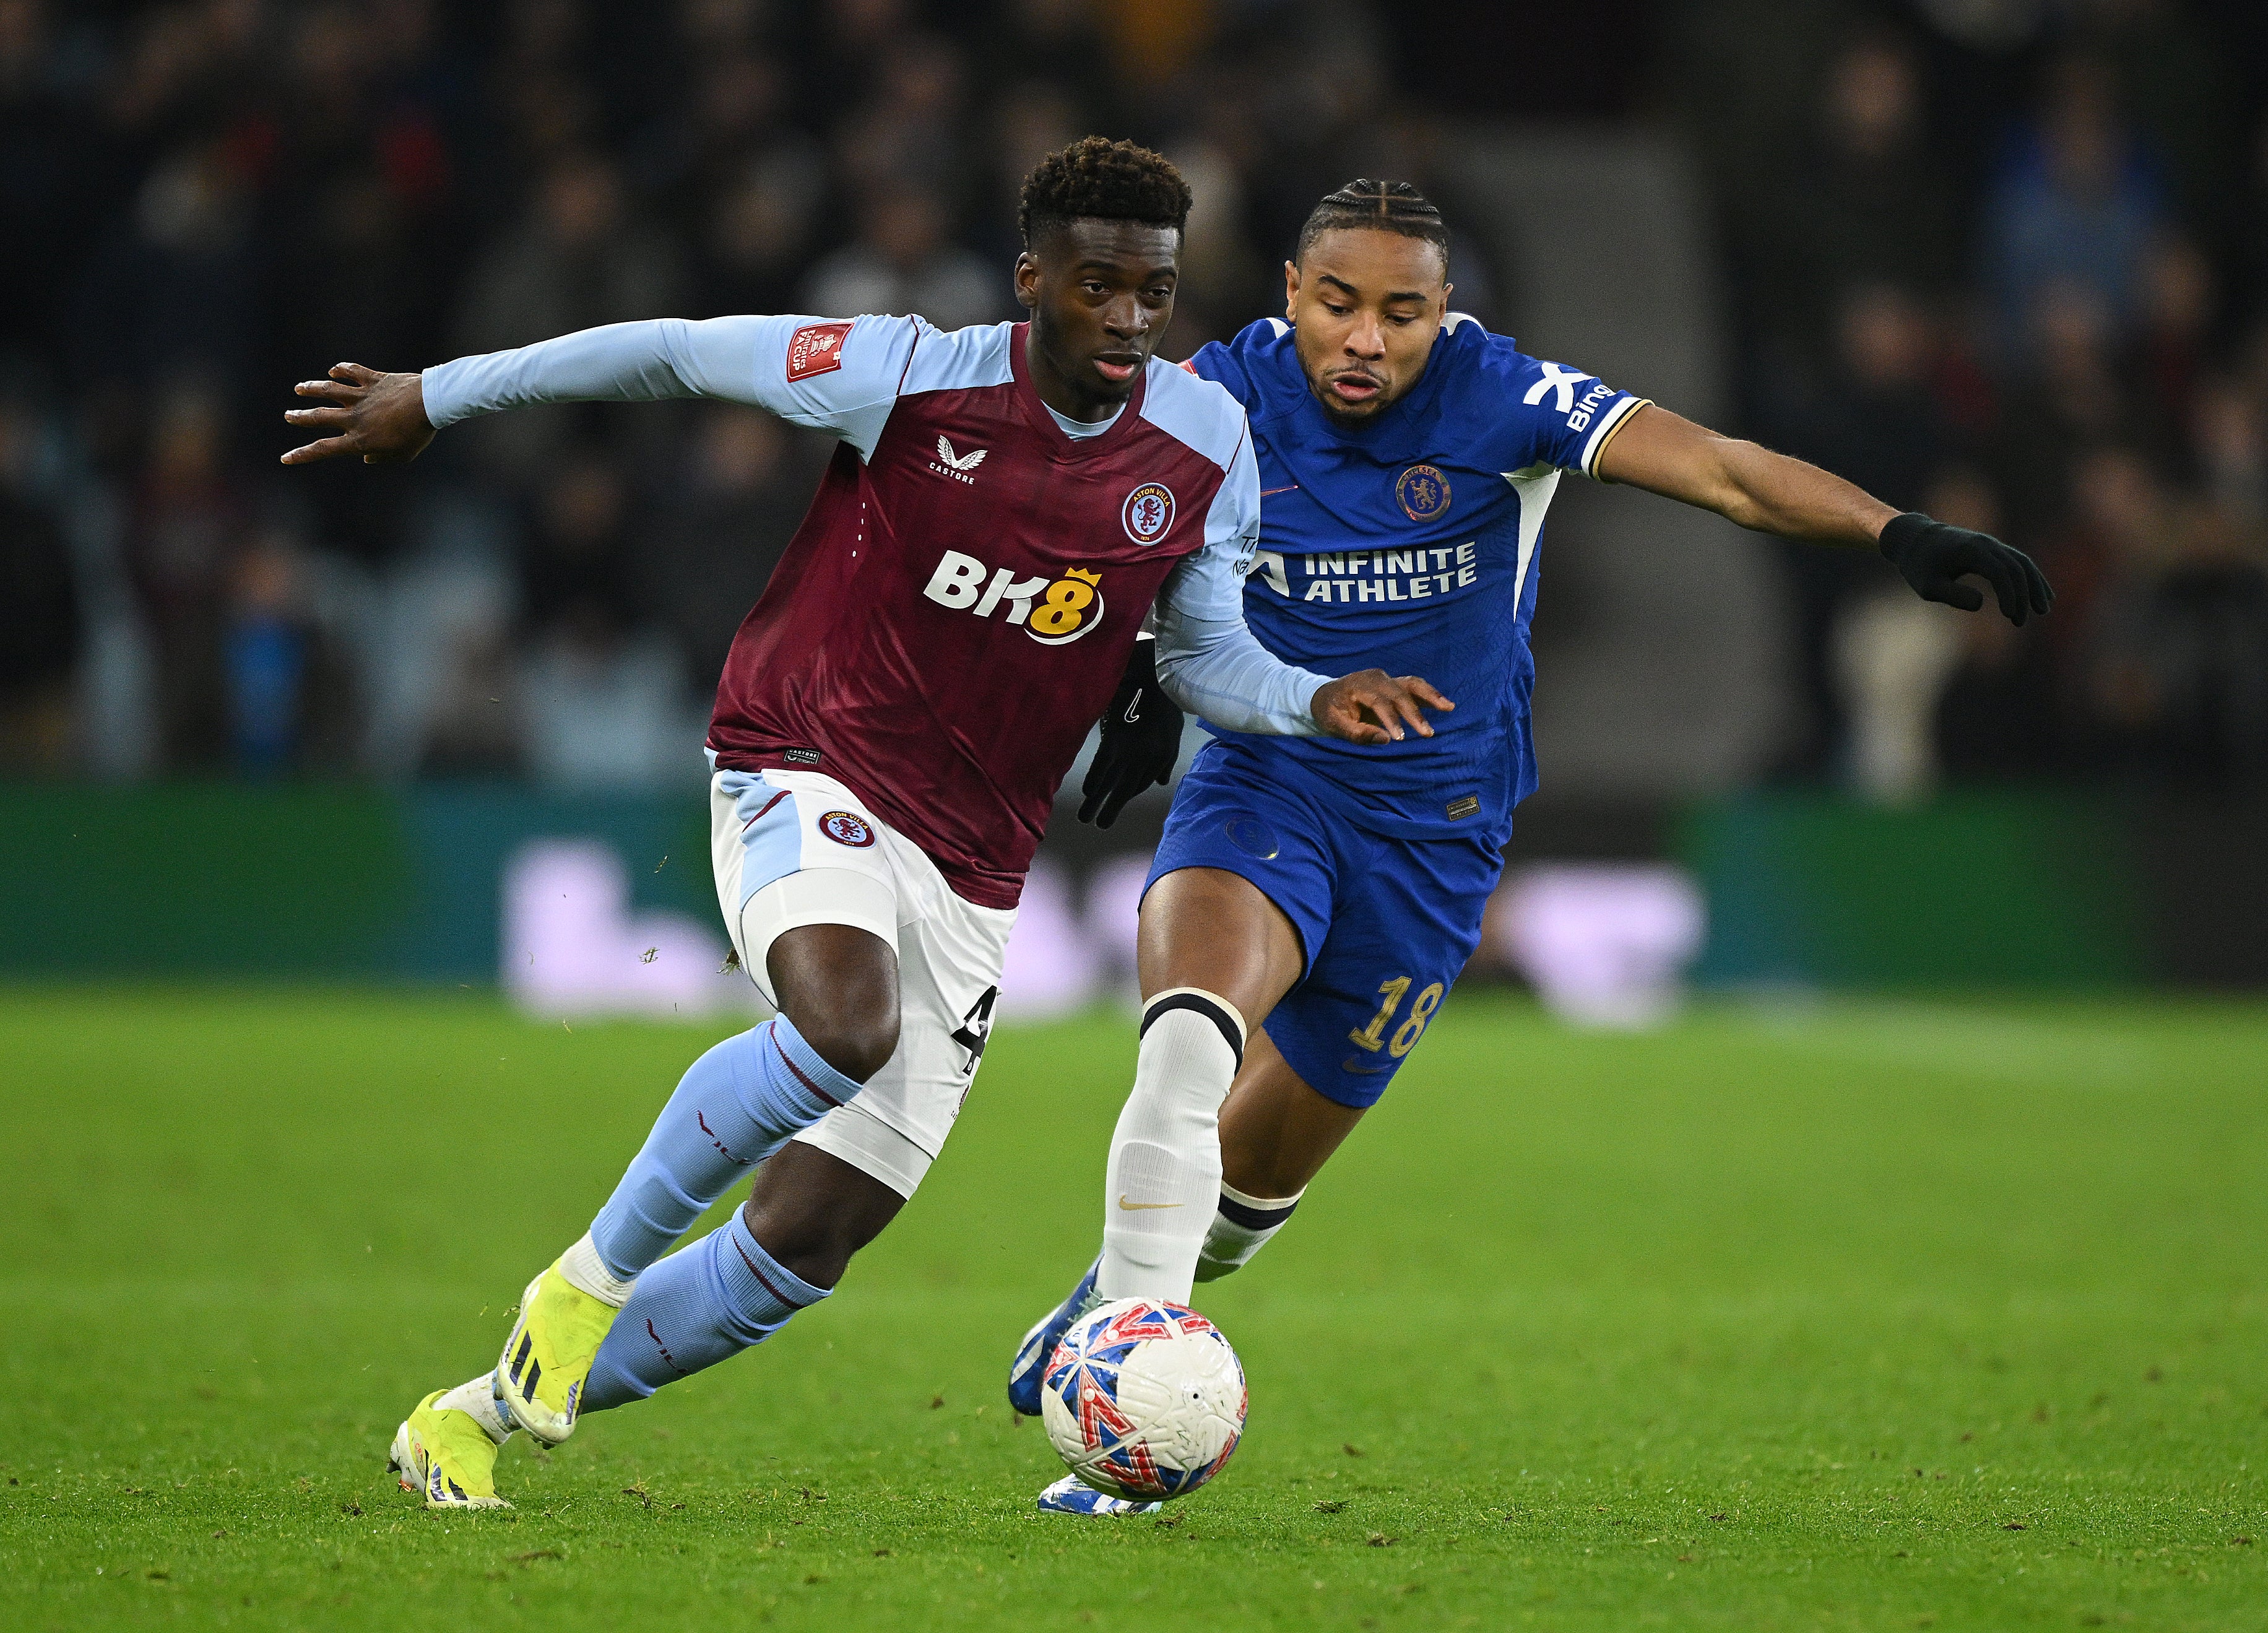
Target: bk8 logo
(1067, 608)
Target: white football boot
(1071, 1494)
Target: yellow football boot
(547, 1357)
(442, 1452)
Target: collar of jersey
(1067, 446)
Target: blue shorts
(1386, 925)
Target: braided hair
(1097, 179)
(1382, 207)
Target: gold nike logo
(1135, 1207)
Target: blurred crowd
(2009, 264)
(2020, 280)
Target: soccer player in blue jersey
(1310, 905)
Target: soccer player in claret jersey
(1315, 907)
(1004, 505)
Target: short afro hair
(1382, 207)
(1096, 178)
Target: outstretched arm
(1666, 454)
(1216, 668)
(839, 377)
(1209, 663)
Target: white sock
(478, 1396)
(1165, 1158)
(586, 1272)
(1240, 1227)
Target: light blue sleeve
(1209, 661)
(839, 377)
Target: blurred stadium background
(2005, 260)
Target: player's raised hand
(379, 417)
(1371, 706)
(1934, 555)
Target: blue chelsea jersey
(1410, 545)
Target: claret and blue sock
(735, 1106)
(607, 1324)
(704, 1303)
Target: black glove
(1932, 554)
(1141, 740)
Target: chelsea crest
(1423, 492)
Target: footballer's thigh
(838, 917)
(950, 952)
(839, 984)
(812, 907)
(1240, 891)
(1216, 930)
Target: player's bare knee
(814, 1238)
(839, 985)
(855, 1045)
(813, 1211)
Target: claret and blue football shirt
(1410, 544)
(965, 591)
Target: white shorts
(795, 848)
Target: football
(1145, 1399)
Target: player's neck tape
(1212, 1006)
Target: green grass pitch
(1847, 1316)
